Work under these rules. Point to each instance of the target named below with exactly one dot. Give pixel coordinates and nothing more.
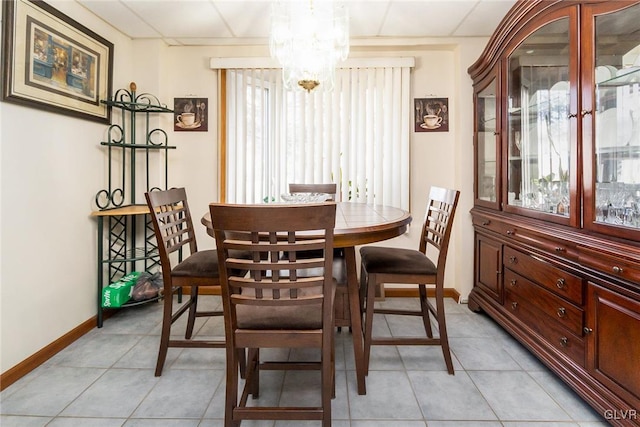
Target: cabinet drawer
(549, 329)
(489, 224)
(544, 274)
(565, 313)
(545, 243)
(609, 264)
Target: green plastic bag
(118, 293)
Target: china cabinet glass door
(539, 136)
(486, 150)
(615, 202)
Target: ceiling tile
(425, 18)
(184, 18)
(121, 17)
(246, 18)
(366, 17)
(484, 18)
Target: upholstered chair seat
(394, 260)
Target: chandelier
(308, 38)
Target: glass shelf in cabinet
(628, 76)
(620, 152)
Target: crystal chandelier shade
(309, 38)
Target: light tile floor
(105, 379)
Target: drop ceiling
(235, 22)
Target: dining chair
(173, 227)
(422, 267)
(331, 189)
(284, 303)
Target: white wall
(51, 167)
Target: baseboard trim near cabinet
(32, 362)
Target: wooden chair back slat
(268, 232)
(171, 215)
(329, 188)
(438, 223)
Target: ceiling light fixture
(309, 38)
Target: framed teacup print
(190, 114)
(54, 63)
(431, 114)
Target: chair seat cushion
(204, 264)
(199, 264)
(383, 260)
(283, 317)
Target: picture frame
(52, 62)
(190, 114)
(431, 114)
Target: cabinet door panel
(541, 122)
(614, 343)
(486, 150)
(612, 119)
(489, 266)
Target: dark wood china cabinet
(557, 192)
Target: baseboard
(32, 362)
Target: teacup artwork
(187, 119)
(190, 114)
(431, 120)
(431, 114)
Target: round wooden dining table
(357, 224)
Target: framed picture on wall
(190, 114)
(431, 114)
(54, 63)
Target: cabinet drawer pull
(513, 282)
(561, 283)
(513, 260)
(587, 330)
(617, 270)
(560, 249)
(485, 223)
(572, 116)
(514, 305)
(562, 312)
(585, 112)
(510, 232)
(564, 341)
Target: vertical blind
(356, 135)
